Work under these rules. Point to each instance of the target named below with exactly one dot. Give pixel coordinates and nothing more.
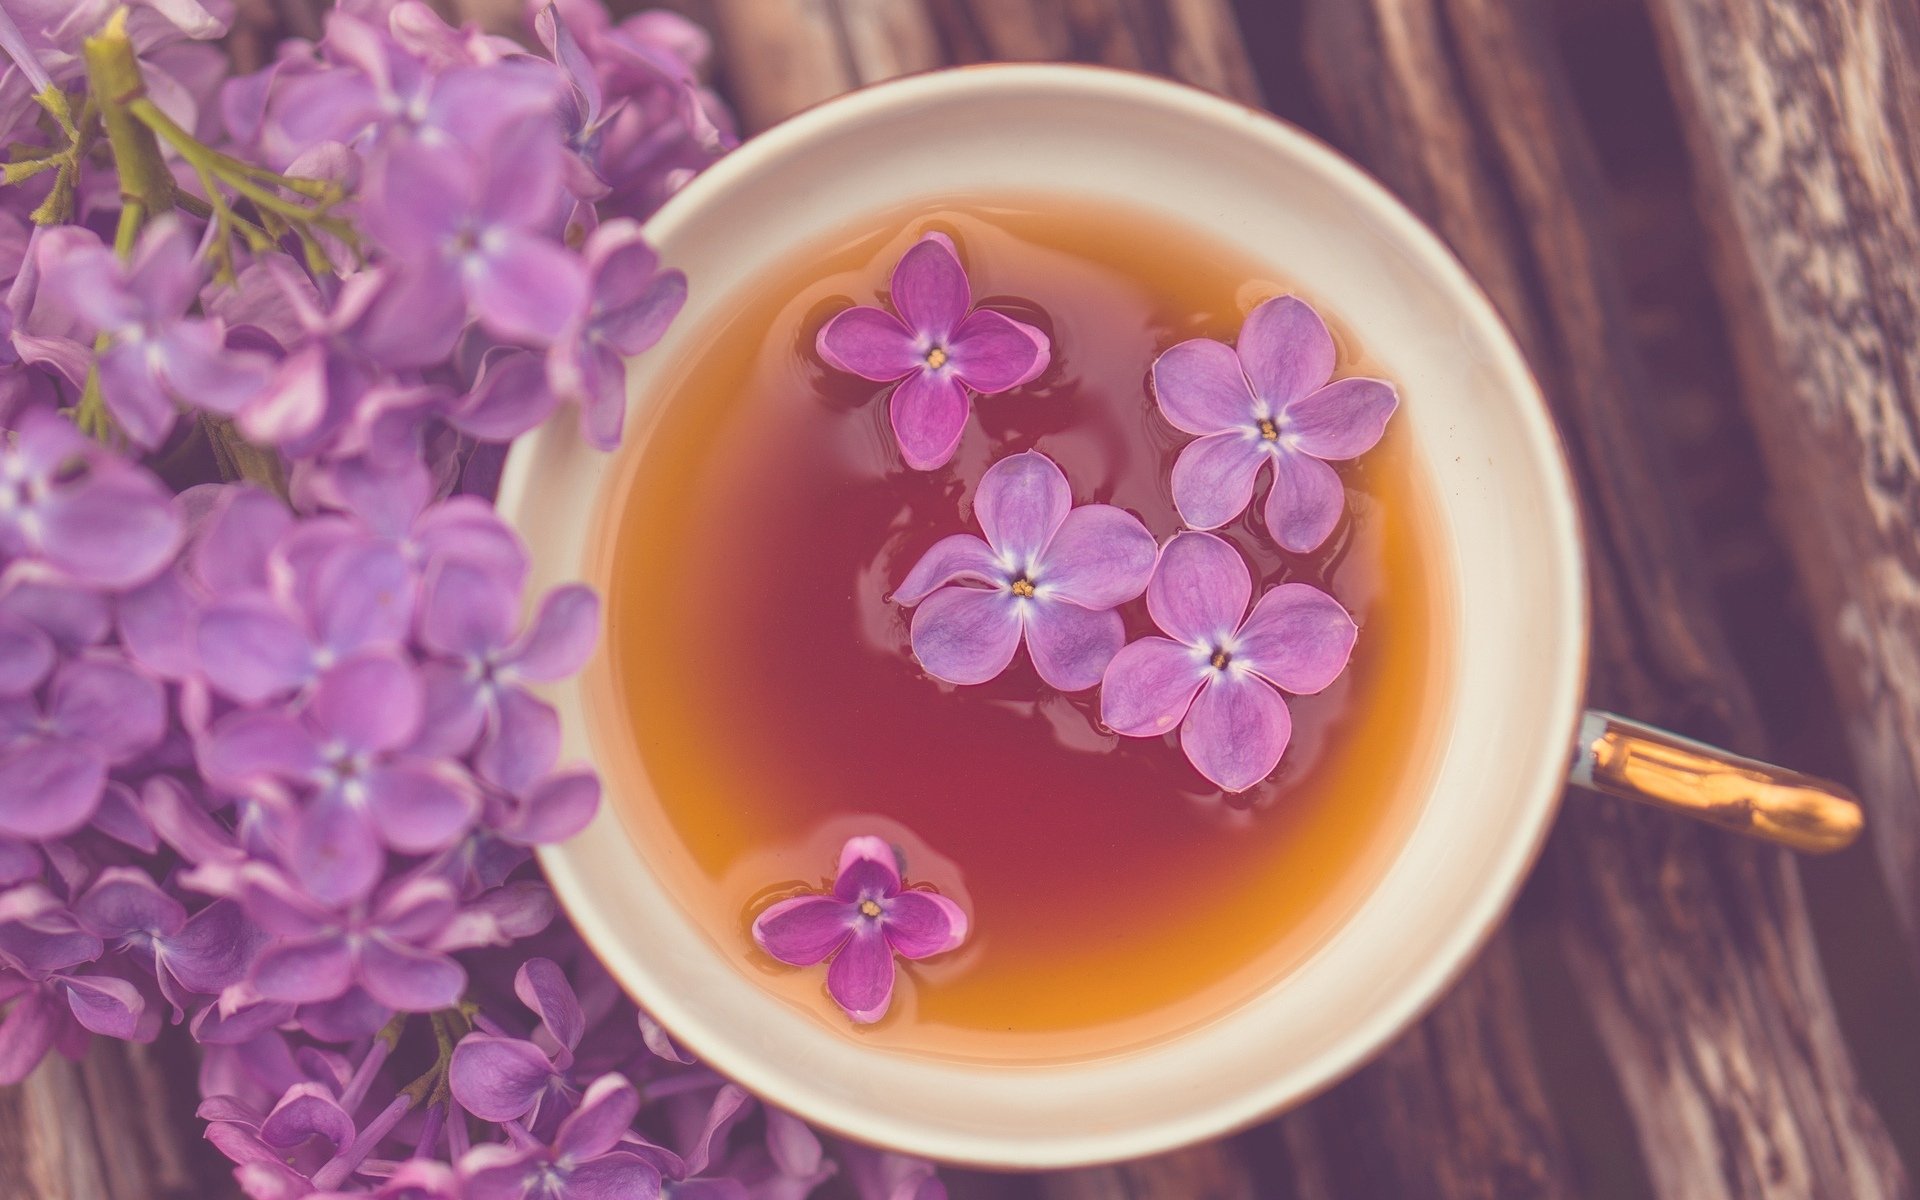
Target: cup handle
(1624, 758)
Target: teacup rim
(1445, 965)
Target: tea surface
(757, 704)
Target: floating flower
(866, 919)
(1219, 672)
(1052, 574)
(940, 348)
(1268, 400)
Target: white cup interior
(1517, 608)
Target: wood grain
(1693, 952)
(108, 1128)
(1804, 123)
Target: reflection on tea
(766, 694)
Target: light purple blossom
(1268, 399)
(158, 358)
(98, 713)
(867, 917)
(1047, 572)
(90, 517)
(201, 953)
(630, 303)
(590, 1157)
(472, 229)
(499, 1078)
(351, 745)
(939, 347)
(1218, 674)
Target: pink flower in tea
(1219, 673)
(1047, 572)
(940, 348)
(868, 917)
(1268, 400)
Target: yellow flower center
(1022, 587)
(936, 358)
(1267, 430)
(1220, 660)
(869, 908)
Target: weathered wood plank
(107, 1128)
(1693, 952)
(1803, 120)
(782, 55)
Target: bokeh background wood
(1702, 219)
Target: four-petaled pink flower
(1052, 574)
(940, 348)
(866, 919)
(1219, 672)
(1268, 400)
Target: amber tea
(761, 684)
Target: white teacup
(1518, 611)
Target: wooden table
(1702, 220)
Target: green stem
(113, 75)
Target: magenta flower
(1268, 400)
(1052, 574)
(866, 919)
(1219, 672)
(940, 348)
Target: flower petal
(805, 929)
(371, 702)
(418, 808)
(930, 289)
(1213, 477)
(1343, 419)
(48, 788)
(861, 977)
(527, 288)
(408, 979)
(1020, 504)
(1100, 557)
(250, 649)
(26, 655)
(616, 1176)
(1286, 350)
(303, 972)
(560, 639)
(1236, 731)
(1148, 687)
(334, 852)
(868, 867)
(966, 635)
(1200, 589)
(307, 1111)
(1297, 638)
(246, 745)
(106, 1005)
(992, 352)
(133, 395)
(919, 924)
(928, 410)
(868, 342)
(498, 1078)
(1305, 503)
(605, 1114)
(115, 529)
(117, 710)
(1202, 388)
(543, 987)
(26, 1034)
(958, 557)
(1071, 646)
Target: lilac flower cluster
(272, 757)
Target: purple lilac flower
(591, 1156)
(393, 946)
(1048, 573)
(868, 917)
(87, 515)
(1268, 399)
(157, 358)
(352, 745)
(98, 713)
(1219, 673)
(940, 348)
(471, 229)
(201, 953)
(498, 1078)
(629, 305)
